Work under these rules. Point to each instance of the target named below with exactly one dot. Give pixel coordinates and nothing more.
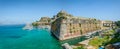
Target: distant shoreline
(10, 24)
(15, 25)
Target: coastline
(34, 39)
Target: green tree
(80, 47)
(34, 24)
(117, 23)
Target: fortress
(66, 26)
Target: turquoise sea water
(14, 37)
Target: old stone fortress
(65, 26)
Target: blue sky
(27, 11)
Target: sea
(14, 37)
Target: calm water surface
(14, 37)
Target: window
(79, 25)
(70, 24)
(81, 31)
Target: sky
(28, 11)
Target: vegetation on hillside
(117, 23)
(96, 42)
(35, 24)
(80, 47)
(102, 41)
(115, 39)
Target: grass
(97, 41)
(80, 47)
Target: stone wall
(67, 26)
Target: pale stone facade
(66, 26)
(44, 21)
(107, 24)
